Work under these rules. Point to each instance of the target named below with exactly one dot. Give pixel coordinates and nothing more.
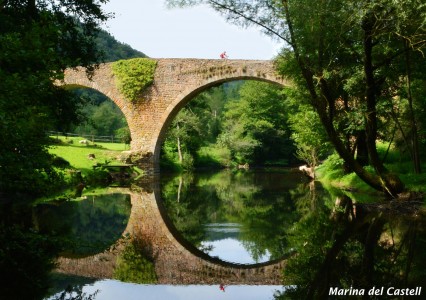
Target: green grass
(76, 142)
(330, 173)
(78, 154)
(415, 182)
(206, 157)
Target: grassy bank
(331, 173)
(76, 163)
(84, 156)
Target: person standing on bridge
(223, 55)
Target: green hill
(114, 50)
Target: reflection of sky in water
(223, 238)
(232, 250)
(223, 227)
(113, 290)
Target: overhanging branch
(249, 18)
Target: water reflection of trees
(344, 245)
(74, 293)
(186, 211)
(90, 225)
(264, 210)
(336, 242)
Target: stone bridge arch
(176, 81)
(103, 81)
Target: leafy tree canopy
(38, 40)
(255, 124)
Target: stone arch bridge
(176, 82)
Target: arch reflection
(151, 250)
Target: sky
(196, 32)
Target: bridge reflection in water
(175, 260)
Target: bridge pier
(144, 160)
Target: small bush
(331, 168)
(98, 177)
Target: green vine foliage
(134, 76)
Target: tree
(309, 136)
(115, 50)
(345, 55)
(104, 120)
(38, 40)
(184, 135)
(198, 124)
(255, 127)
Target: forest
(237, 123)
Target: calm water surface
(237, 216)
(230, 216)
(222, 235)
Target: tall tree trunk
(179, 188)
(390, 182)
(413, 123)
(371, 91)
(178, 145)
(361, 148)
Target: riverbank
(86, 165)
(330, 173)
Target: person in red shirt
(223, 55)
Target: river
(248, 234)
